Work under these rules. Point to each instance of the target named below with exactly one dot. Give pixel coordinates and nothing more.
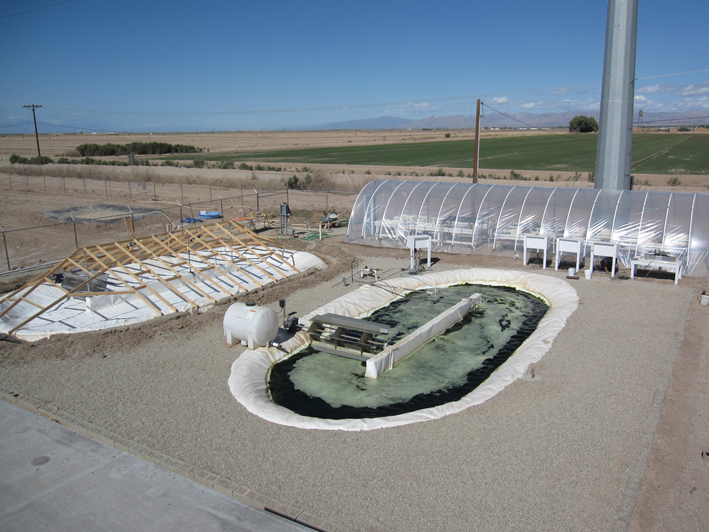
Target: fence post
(4, 243)
(181, 217)
(155, 194)
(76, 238)
(258, 205)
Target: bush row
(138, 148)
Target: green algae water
(446, 369)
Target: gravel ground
(566, 450)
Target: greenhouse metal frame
(493, 219)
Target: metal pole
(105, 185)
(130, 192)
(155, 194)
(76, 238)
(327, 201)
(615, 138)
(84, 179)
(182, 197)
(221, 206)
(64, 185)
(476, 154)
(4, 242)
(210, 194)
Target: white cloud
(501, 101)
(653, 89)
(559, 92)
(532, 105)
(640, 99)
(695, 90)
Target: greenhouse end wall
(493, 219)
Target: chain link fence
(90, 212)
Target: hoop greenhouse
(493, 219)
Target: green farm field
(653, 153)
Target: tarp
(247, 381)
(79, 314)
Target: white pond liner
(106, 311)
(247, 381)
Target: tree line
(138, 148)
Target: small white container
(588, 273)
(572, 272)
(704, 300)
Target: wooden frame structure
(183, 255)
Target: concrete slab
(54, 479)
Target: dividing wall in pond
(492, 219)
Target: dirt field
(576, 449)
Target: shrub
(293, 183)
(139, 148)
(591, 177)
(437, 173)
(461, 173)
(448, 135)
(244, 166)
(674, 181)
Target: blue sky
(220, 65)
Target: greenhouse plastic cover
(248, 378)
(489, 219)
(79, 314)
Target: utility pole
(476, 155)
(33, 107)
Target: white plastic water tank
(251, 325)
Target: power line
(16, 125)
(34, 9)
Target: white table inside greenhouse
(671, 264)
(536, 243)
(604, 249)
(568, 245)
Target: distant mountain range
(514, 120)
